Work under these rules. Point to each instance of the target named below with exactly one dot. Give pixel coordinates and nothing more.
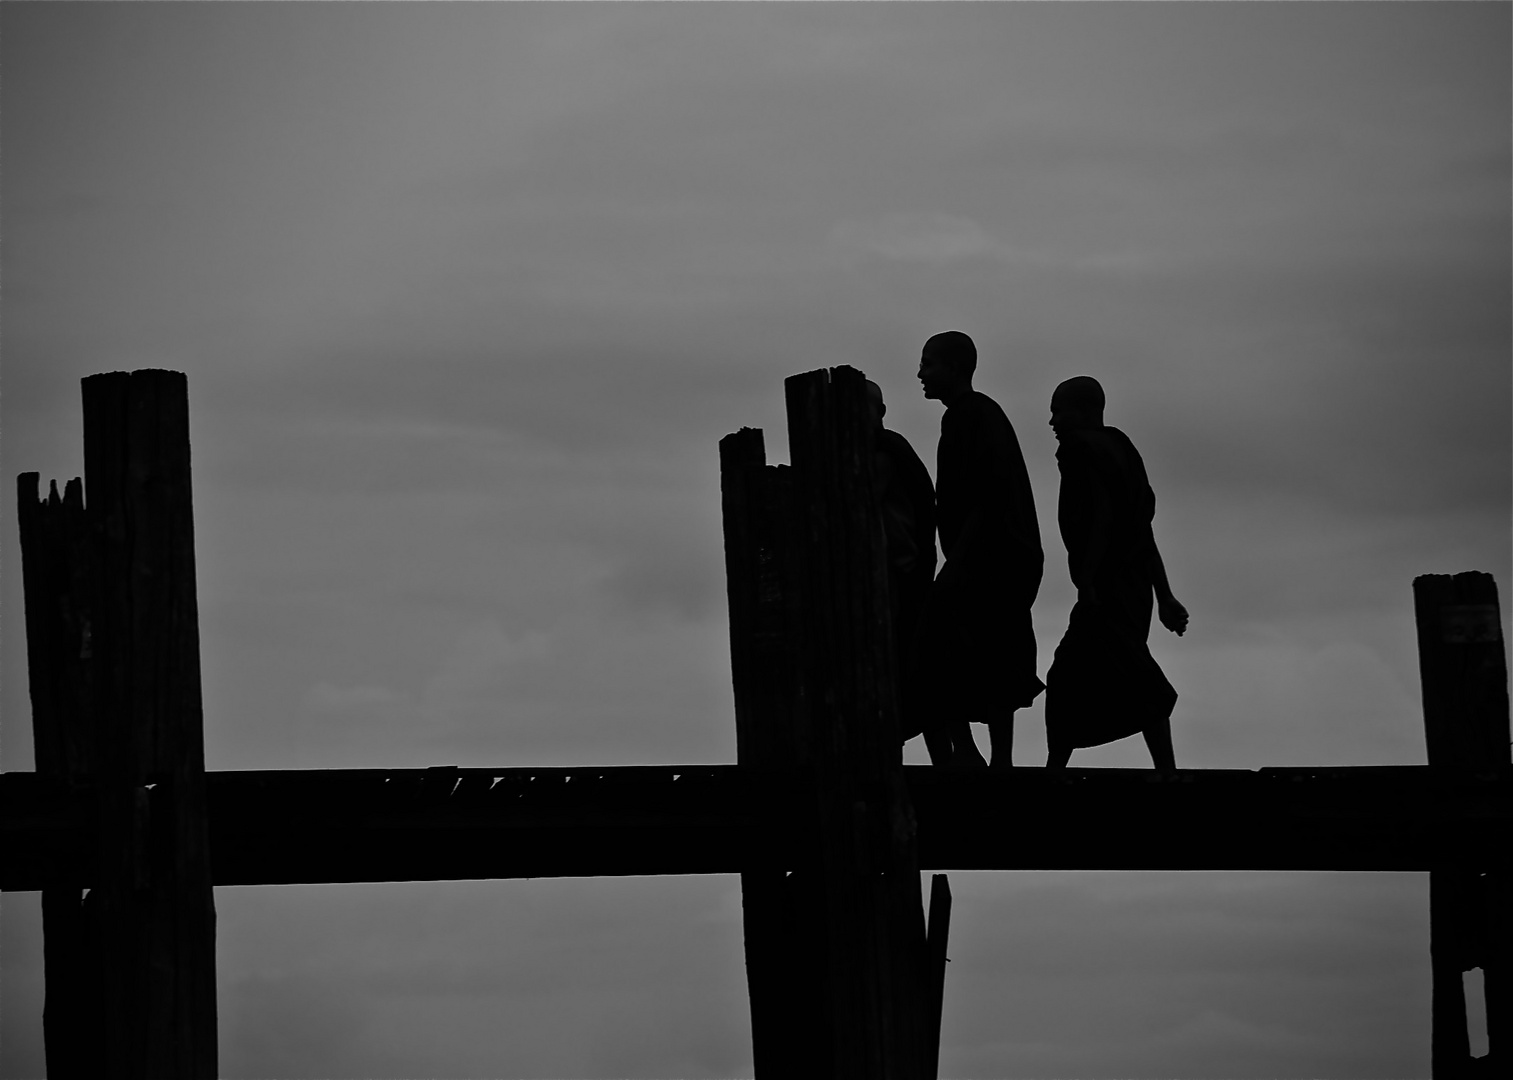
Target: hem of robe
(1104, 685)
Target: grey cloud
(468, 294)
(501, 979)
(1212, 974)
(289, 1026)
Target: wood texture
(58, 569)
(154, 899)
(783, 938)
(936, 938)
(847, 716)
(1463, 668)
(314, 826)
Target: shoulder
(1123, 449)
(979, 414)
(892, 441)
(1119, 440)
(985, 407)
(895, 445)
(1084, 452)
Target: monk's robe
(1103, 683)
(906, 498)
(978, 646)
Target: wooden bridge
(828, 830)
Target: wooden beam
(113, 640)
(846, 716)
(156, 914)
(785, 970)
(936, 938)
(58, 570)
(314, 826)
(1464, 674)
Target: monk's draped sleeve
(978, 648)
(985, 505)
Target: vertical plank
(56, 569)
(935, 987)
(847, 717)
(1464, 676)
(1463, 670)
(750, 571)
(155, 900)
(789, 1029)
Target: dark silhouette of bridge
(125, 833)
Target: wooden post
(1465, 691)
(115, 681)
(58, 579)
(935, 968)
(835, 942)
(784, 949)
(846, 716)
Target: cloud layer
(467, 296)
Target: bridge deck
(313, 826)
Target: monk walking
(977, 644)
(1104, 684)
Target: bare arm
(1172, 614)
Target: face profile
(934, 372)
(1077, 405)
(946, 364)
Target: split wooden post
(110, 589)
(58, 570)
(935, 968)
(835, 944)
(846, 716)
(790, 1029)
(1465, 691)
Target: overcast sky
(467, 296)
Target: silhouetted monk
(1103, 683)
(978, 644)
(907, 500)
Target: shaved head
(956, 349)
(1077, 405)
(1082, 393)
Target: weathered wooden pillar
(836, 953)
(58, 578)
(847, 712)
(935, 968)
(1465, 690)
(784, 945)
(116, 683)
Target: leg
(938, 743)
(963, 746)
(1158, 739)
(1001, 735)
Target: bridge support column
(1465, 690)
(835, 945)
(112, 627)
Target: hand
(1172, 614)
